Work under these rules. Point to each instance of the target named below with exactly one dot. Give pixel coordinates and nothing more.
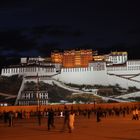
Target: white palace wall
(125, 79)
(28, 71)
(82, 76)
(126, 76)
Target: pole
(37, 92)
(38, 101)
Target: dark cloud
(39, 40)
(134, 32)
(47, 48)
(99, 39)
(13, 43)
(55, 31)
(14, 40)
(42, 25)
(13, 3)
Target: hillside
(9, 87)
(55, 93)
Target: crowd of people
(68, 115)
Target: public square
(110, 128)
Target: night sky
(29, 28)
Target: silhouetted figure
(6, 117)
(11, 116)
(98, 115)
(89, 113)
(66, 118)
(50, 119)
(39, 117)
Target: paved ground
(85, 129)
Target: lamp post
(38, 101)
(37, 92)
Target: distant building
(33, 98)
(117, 57)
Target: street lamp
(38, 101)
(37, 92)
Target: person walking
(50, 119)
(11, 116)
(39, 117)
(6, 117)
(66, 118)
(98, 115)
(137, 114)
(134, 114)
(71, 121)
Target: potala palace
(79, 67)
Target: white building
(117, 57)
(122, 72)
(30, 98)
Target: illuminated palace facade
(73, 58)
(81, 67)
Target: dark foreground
(111, 128)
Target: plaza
(110, 128)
